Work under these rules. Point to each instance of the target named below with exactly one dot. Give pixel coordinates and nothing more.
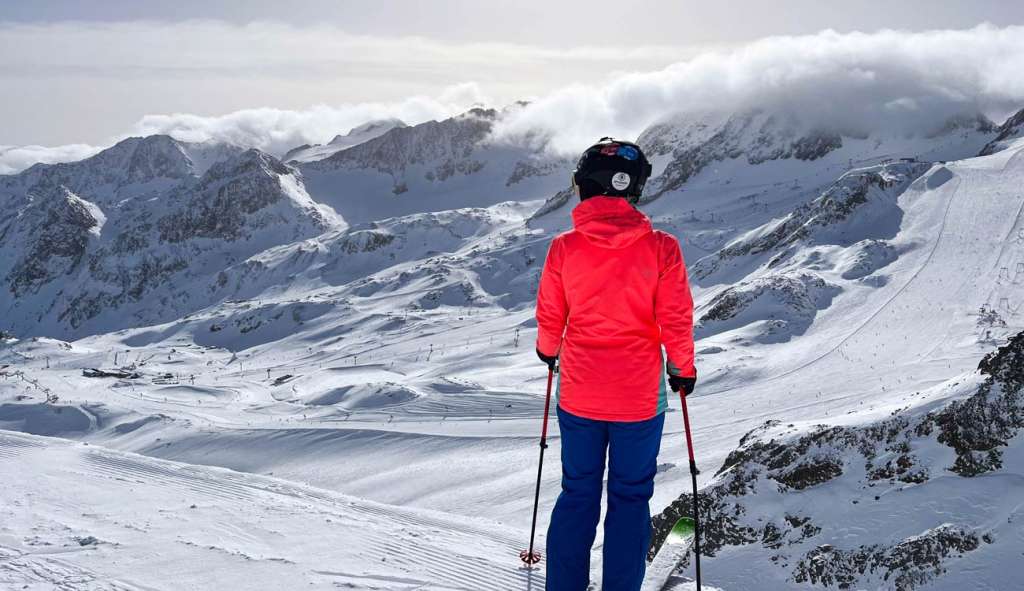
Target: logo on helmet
(620, 181)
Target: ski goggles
(623, 151)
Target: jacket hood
(610, 222)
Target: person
(613, 292)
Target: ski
(671, 553)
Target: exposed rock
(554, 202)
(220, 205)
(452, 142)
(126, 374)
(980, 426)
(754, 135)
(821, 219)
(56, 227)
(788, 301)
(908, 564)
(771, 461)
(528, 169)
(83, 264)
(1011, 129)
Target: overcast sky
(88, 72)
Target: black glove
(548, 359)
(677, 382)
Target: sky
(78, 75)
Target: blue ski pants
(632, 451)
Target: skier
(612, 293)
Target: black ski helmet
(612, 167)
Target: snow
(354, 137)
(83, 517)
(358, 404)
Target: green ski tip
(682, 531)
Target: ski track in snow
(436, 552)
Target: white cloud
(17, 158)
(271, 130)
(278, 130)
(896, 80)
(92, 79)
(886, 80)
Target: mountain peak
(157, 156)
(1011, 129)
(366, 131)
(355, 136)
(400, 147)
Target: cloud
(271, 130)
(890, 80)
(893, 80)
(278, 130)
(17, 158)
(93, 79)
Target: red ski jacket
(612, 292)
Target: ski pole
(529, 556)
(693, 476)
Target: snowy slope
(355, 136)
(81, 517)
(387, 352)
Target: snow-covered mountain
(356, 323)
(136, 234)
(434, 166)
(355, 136)
(1010, 131)
(692, 144)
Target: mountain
(1012, 129)
(355, 136)
(130, 168)
(859, 206)
(434, 166)
(120, 239)
(727, 146)
(359, 327)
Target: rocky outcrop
(53, 231)
(449, 143)
(980, 427)
(756, 136)
(777, 469)
(357, 135)
(787, 302)
(1011, 129)
(525, 169)
(908, 564)
(861, 195)
(223, 203)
